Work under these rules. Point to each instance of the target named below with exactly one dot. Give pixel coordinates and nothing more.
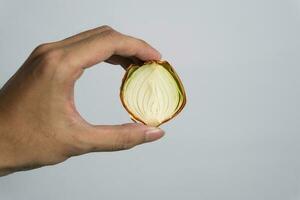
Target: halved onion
(152, 93)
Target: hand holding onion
(39, 123)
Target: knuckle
(71, 144)
(78, 145)
(52, 57)
(109, 33)
(48, 62)
(52, 54)
(125, 141)
(42, 48)
(105, 27)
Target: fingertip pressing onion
(152, 93)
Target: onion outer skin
(131, 69)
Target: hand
(39, 124)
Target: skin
(39, 123)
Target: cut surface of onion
(152, 93)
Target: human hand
(39, 124)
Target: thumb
(120, 137)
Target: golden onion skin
(132, 69)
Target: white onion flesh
(152, 94)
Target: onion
(152, 93)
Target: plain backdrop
(238, 137)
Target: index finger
(100, 47)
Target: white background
(237, 139)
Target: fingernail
(153, 134)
